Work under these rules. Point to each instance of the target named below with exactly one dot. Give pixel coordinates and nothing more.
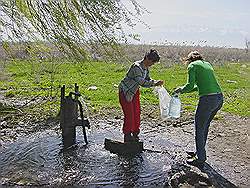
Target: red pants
(132, 112)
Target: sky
(224, 23)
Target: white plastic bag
(175, 107)
(164, 100)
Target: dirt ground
(227, 148)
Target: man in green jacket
(201, 78)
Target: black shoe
(190, 154)
(196, 162)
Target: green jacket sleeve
(191, 82)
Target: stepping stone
(127, 148)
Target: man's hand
(159, 83)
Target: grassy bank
(30, 78)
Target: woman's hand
(177, 90)
(159, 83)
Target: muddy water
(40, 160)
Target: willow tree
(75, 27)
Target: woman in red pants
(129, 95)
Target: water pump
(69, 119)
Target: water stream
(39, 159)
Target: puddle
(40, 160)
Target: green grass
(30, 78)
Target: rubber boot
(128, 138)
(136, 136)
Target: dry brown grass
(170, 53)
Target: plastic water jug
(175, 107)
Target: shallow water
(40, 160)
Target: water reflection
(130, 168)
(41, 160)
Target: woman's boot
(136, 136)
(128, 138)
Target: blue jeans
(208, 106)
